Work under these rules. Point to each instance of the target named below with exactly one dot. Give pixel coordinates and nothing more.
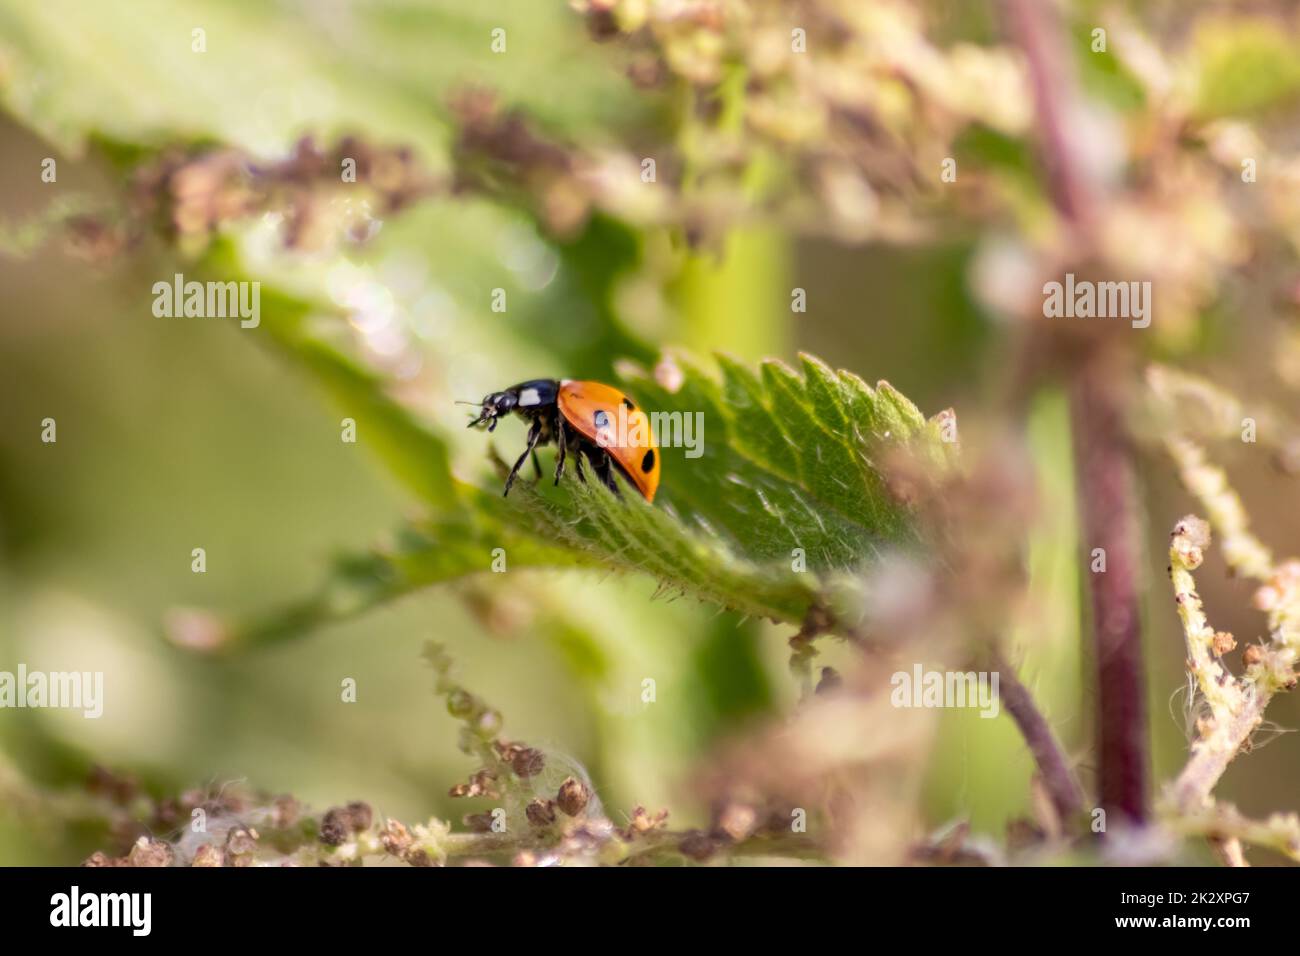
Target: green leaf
(423, 553)
(789, 460)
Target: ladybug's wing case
(600, 412)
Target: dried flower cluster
(317, 196)
(537, 825)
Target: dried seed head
(361, 815)
(642, 822)
(697, 846)
(241, 842)
(1222, 643)
(1253, 654)
(335, 827)
(147, 852)
(528, 762)
(395, 838)
(541, 813)
(339, 823)
(482, 783)
(572, 796)
(208, 855)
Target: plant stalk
(1109, 521)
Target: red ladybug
(584, 419)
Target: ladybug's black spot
(648, 462)
(601, 419)
(628, 402)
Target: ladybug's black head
(494, 406)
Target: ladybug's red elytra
(580, 418)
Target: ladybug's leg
(577, 464)
(537, 466)
(605, 473)
(560, 443)
(534, 433)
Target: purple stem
(1058, 778)
(1107, 486)
(1107, 499)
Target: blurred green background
(177, 434)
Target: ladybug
(585, 419)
